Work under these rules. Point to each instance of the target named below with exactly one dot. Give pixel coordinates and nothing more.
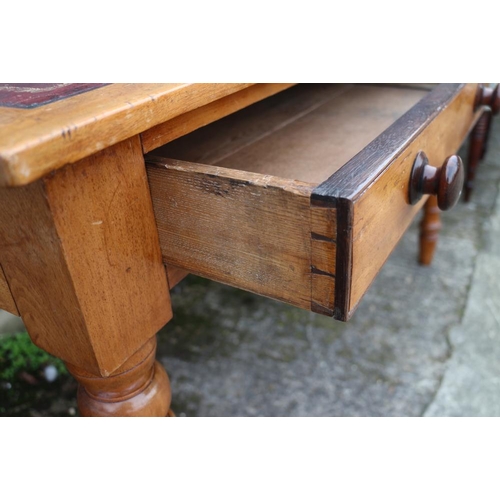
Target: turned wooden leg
(429, 231)
(80, 254)
(140, 387)
(487, 96)
(477, 149)
(487, 136)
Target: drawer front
(374, 210)
(317, 247)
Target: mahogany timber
(7, 302)
(488, 96)
(445, 182)
(430, 227)
(34, 142)
(487, 138)
(477, 146)
(81, 255)
(192, 120)
(139, 388)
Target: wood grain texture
(39, 277)
(362, 169)
(323, 259)
(305, 133)
(430, 227)
(7, 302)
(444, 182)
(487, 138)
(37, 141)
(139, 388)
(488, 96)
(192, 120)
(319, 143)
(81, 254)
(175, 275)
(383, 209)
(242, 229)
(213, 143)
(343, 262)
(367, 197)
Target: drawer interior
(305, 133)
(303, 196)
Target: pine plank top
(46, 127)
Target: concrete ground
(424, 342)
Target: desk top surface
(46, 126)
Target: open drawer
(303, 196)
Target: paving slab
(232, 353)
(10, 323)
(471, 385)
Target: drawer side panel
(242, 229)
(199, 117)
(323, 259)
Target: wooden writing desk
(110, 194)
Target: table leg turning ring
(140, 387)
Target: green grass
(18, 353)
(24, 391)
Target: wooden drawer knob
(487, 96)
(446, 182)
